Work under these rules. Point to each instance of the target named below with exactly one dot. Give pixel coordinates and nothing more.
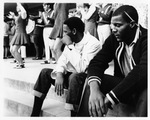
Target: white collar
(136, 36)
(84, 39)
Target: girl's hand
(11, 15)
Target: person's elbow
(24, 15)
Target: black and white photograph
(74, 59)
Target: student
(20, 38)
(91, 17)
(127, 46)
(6, 37)
(70, 71)
(61, 12)
(47, 17)
(103, 27)
(37, 35)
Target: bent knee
(76, 79)
(46, 71)
(12, 50)
(73, 76)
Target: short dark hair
(46, 4)
(127, 9)
(75, 22)
(86, 5)
(50, 5)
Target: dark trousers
(38, 42)
(137, 98)
(6, 46)
(72, 81)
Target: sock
(38, 102)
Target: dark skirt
(20, 39)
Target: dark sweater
(100, 62)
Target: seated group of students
(81, 67)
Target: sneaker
(45, 62)
(53, 61)
(23, 60)
(19, 66)
(14, 61)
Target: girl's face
(46, 7)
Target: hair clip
(130, 17)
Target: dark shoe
(20, 66)
(45, 62)
(5, 57)
(37, 58)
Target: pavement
(31, 70)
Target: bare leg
(53, 57)
(57, 48)
(23, 51)
(16, 54)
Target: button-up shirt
(76, 57)
(128, 61)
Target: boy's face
(120, 28)
(67, 39)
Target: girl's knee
(57, 49)
(12, 51)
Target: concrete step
(24, 79)
(13, 101)
(20, 82)
(27, 86)
(22, 105)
